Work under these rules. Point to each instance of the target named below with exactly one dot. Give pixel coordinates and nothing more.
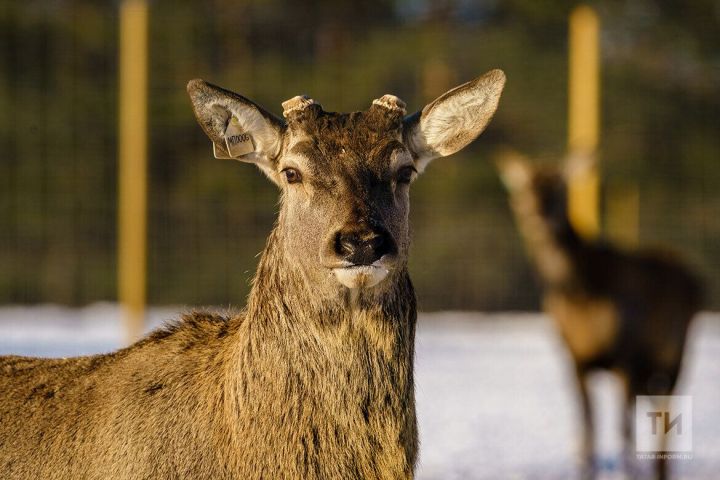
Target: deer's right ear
(238, 128)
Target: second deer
(623, 311)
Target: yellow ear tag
(238, 143)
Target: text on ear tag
(238, 143)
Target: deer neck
(336, 372)
(553, 248)
(335, 340)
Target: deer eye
(405, 174)
(292, 175)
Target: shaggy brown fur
(623, 311)
(313, 379)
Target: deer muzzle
(362, 276)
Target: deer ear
(238, 128)
(514, 169)
(578, 164)
(454, 119)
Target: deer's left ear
(454, 119)
(237, 127)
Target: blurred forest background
(209, 218)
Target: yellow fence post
(132, 154)
(584, 119)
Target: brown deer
(623, 311)
(314, 378)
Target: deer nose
(363, 247)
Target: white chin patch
(364, 276)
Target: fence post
(132, 155)
(584, 120)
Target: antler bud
(391, 102)
(295, 104)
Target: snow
(495, 392)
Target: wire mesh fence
(208, 218)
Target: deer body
(626, 311)
(623, 311)
(190, 400)
(314, 378)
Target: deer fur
(313, 379)
(623, 311)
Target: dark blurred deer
(623, 311)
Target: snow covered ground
(495, 392)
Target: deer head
(345, 177)
(535, 189)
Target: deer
(313, 378)
(618, 310)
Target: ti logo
(663, 423)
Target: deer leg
(588, 444)
(664, 463)
(629, 456)
(661, 463)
